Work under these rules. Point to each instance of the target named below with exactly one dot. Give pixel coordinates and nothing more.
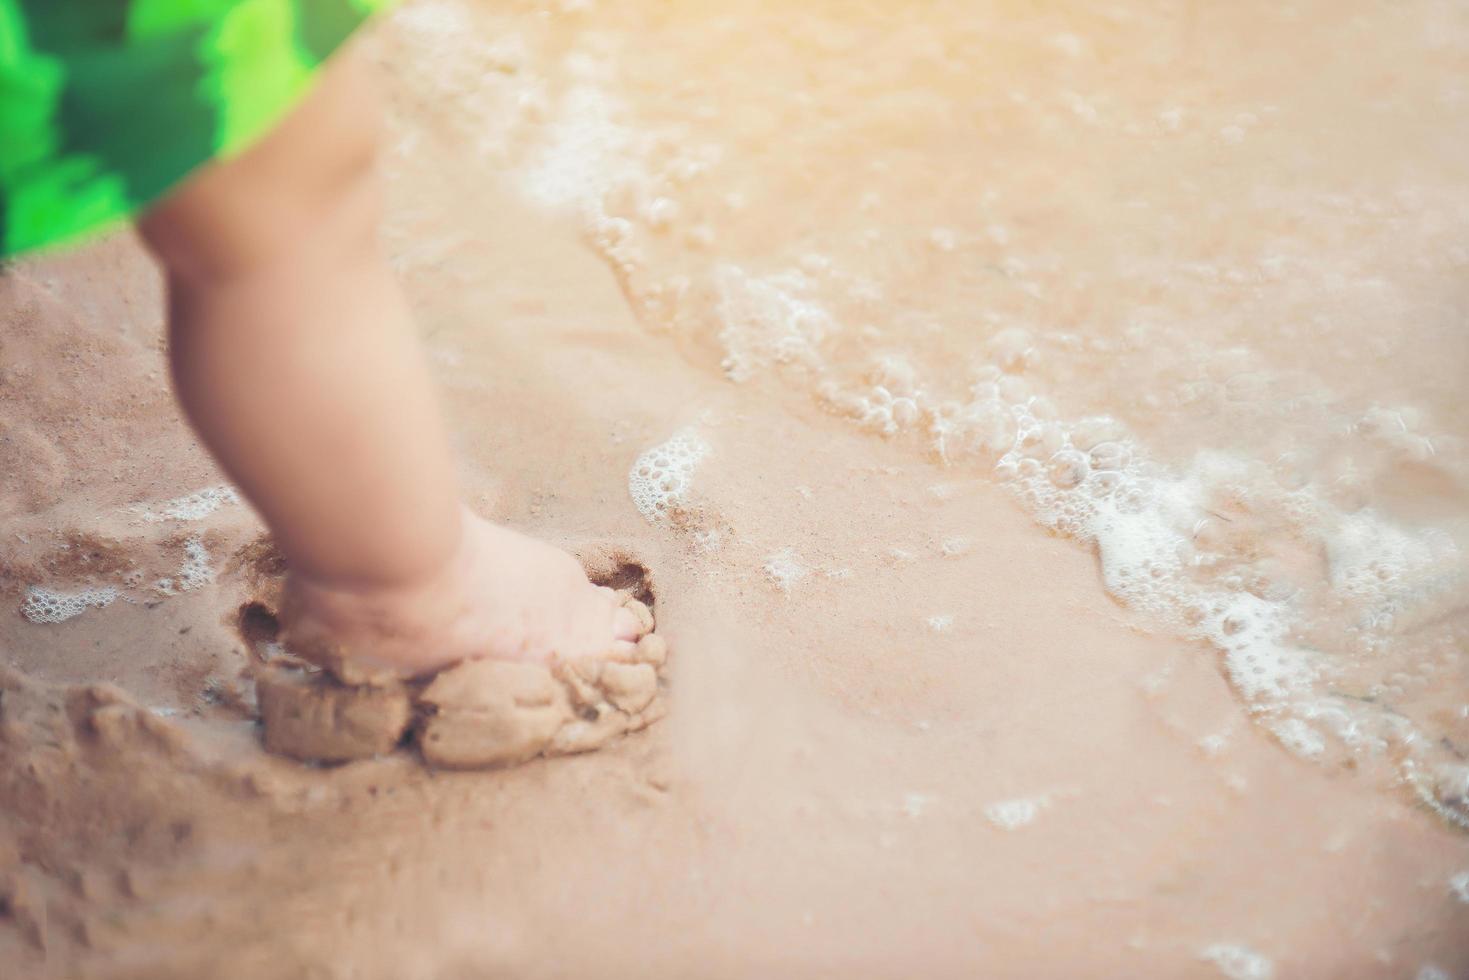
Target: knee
(306, 187)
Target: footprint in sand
(479, 714)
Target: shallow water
(1192, 279)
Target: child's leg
(294, 356)
(293, 351)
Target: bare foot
(478, 713)
(503, 596)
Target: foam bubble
(767, 321)
(660, 478)
(1443, 788)
(45, 606)
(193, 573)
(1238, 962)
(785, 569)
(1459, 886)
(1214, 745)
(951, 547)
(190, 507)
(1163, 550)
(1299, 737)
(587, 151)
(914, 804)
(1218, 548)
(195, 570)
(1016, 813)
(660, 213)
(1387, 569)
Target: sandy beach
(1044, 431)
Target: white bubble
(767, 321)
(586, 151)
(785, 569)
(1013, 349)
(1068, 468)
(1300, 738)
(1016, 813)
(1238, 962)
(914, 804)
(940, 623)
(660, 478)
(1040, 440)
(1109, 456)
(660, 213)
(190, 507)
(45, 606)
(1102, 484)
(195, 570)
(1094, 430)
(193, 573)
(1213, 745)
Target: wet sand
(910, 731)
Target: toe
(643, 614)
(623, 651)
(625, 625)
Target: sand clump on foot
(478, 714)
(306, 716)
(491, 712)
